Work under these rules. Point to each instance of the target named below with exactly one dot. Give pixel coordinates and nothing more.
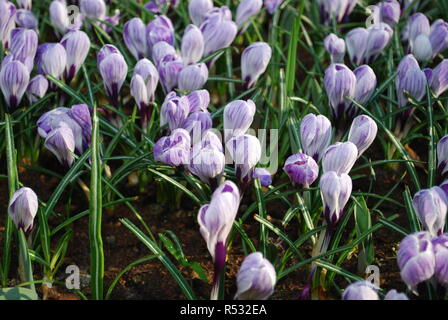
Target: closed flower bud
(272, 5)
(264, 176)
(24, 46)
(256, 278)
(22, 208)
(197, 123)
(315, 135)
(422, 49)
(199, 100)
(207, 163)
(416, 259)
(25, 4)
(160, 29)
(218, 30)
(61, 142)
(192, 45)
(173, 150)
(361, 290)
(148, 72)
(59, 16)
(134, 35)
(193, 77)
(340, 82)
(246, 153)
(388, 11)
(95, 9)
(439, 37)
(431, 208)
(254, 61)
(139, 91)
(210, 140)
(169, 70)
(174, 111)
(81, 114)
(442, 155)
(37, 88)
(77, 46)
(26, 19)
(440, 245)
(379, 37)
(335, 191)
(238, 117)
(14, 79)
(113, 69)
(356, 41)
(51, 59)
(7, 22)
(301, 169)
(439, 78)
(340, 157)
(418, 24)
(410, 78)
(394, 295)
(362, 133)
(335, 9)
(162, 49)
(335, 47)
(246, 9)
(198, 9)
(365, 84)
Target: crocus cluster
(365, 290)
(66, 131)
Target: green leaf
(18, 294)
(363, 224)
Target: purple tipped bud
(335, 191)
(272, 5)
(207, 163)
(238, 117)
(440, 245)
(77, 46)
(14, 79)
(25, 4)
(256, 278)
(218, 30)
(51, 59)
(416, 258)
(439, 78)
(361, 290)
(254, 61)
(61, 142)
(410, 79)
(315, 135)
(198, 9)
(192, 46)
(340, 157)
(173, 150)
(301, 169)
(356, 41)
(362, 133)
(193, 77)
(24, 46)
(439, 37)
(174, 111)
(169, 70)
(340, 82)
(26, 19)
(160, 29)
(365, 83)
(23, 208)
(199, 100)
(394, 295)
(431, 208)
(245, 151)
(134, 34)
(7, 22)
(95, 9)
(139, 91)
(162, 49)
(335, 47)
(37, 88)
(422, 49)
(216, 219)
(388, 11)
(246, 9)
(264, 176)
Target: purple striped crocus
(254, 61)
(361, 290)
(438, 79)
(174, 150)
(198, 9)
(160, 29)
(51, 59)
(335, 46)
(7, 22)
(301, 169)
(207, 162)
(335, 190)
(26, 19)
(238, 117)
(23, 208)
(315, 135)
(174, 111)
(193, 77)
(192, 46)
(431, 206)
(336, 10)
(245, 151)
(24, 46)
(245, 10)
(14, 79)
(411, 80)
(340, 157)
(37, 88)
(440, 246)
(134, 35)
(362, 133)
(77, 46)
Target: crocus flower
(199, 100)
(26, 19)
(388, 11)
(416, 259)
(161, 50)
(81, 114)
(14, 79)
(25, 4)
(160, 29)
(94, 9)
(438, 37)
(218, 30)
(174, 111)
(198, 9)
(264, 176)
(340, 157)
(335, 191)
(173, 150)
(7, 22)
(440, 245)
(148, 72)
(59, 16)
(61, 142)
(37, 88)
(394, 295)
(256, 278)
(362, 133)
(335, 46)
(442, 155)
(431, 208)
(169, 69)
(77, 46)
(197, 123)
(210, 139)
(134, 35)
(335, 9)
(113, 69)
(246, 9)
(24, 46)
(23, 207)
(207, 163)
(410, 78)
(301, 169)
(238, 117)
(272, 5)
(192, 45)
(365, 84)
(216, 221)
(254, 61)
(245, 151)
(193, 77)
(315, 135)
(361, 290)
(51, 59)
(439, 78)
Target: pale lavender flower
(160, 29)
(315, 135)
(198, 10)
(192, 45)
(246, 9)
(272, 5)
(245, 151)
(238, 117)
(335, 191)
(440, 245)
(301, 169)
(193, 77)
(26, 19)
(431, 208)
(361, 290)
(254, 61)
(37, 88)
(335, 46)
(173, 150)
(77, 46)
(134, 35)
(23, 207)
(264, 175)
(14, 79)
(362, 133)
